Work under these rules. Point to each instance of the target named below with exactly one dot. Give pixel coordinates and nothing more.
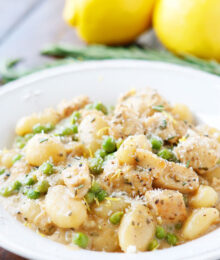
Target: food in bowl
(140, 176)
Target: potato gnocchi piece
(65, 108)
(133, 180)
(34, 213)
(43, 147)
(167, 204)
(7, 158)
(110, 205)
(165, 126)
(215, 173)
(20, 168)
(137, 228)
(76, 149)
(106, 239)
(25, 124)
(63, 209)
(127, 151)
(168, 175)
(200, 152)
(143, 103)
(89, 133)
(124, 123)
(205, 196)
(182, 112)
(209, 131)
(199, 222)
(77, 178)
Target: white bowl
(104, 81)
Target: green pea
(89, 197)
(75, 117)
(160, 232)
(178, 226)
(20, 142)
(119, 142)
(66, 131)
(116, 217)
(95, 188)
(153, 245)
(43, 186)
(109, 144)
(30, 181)
(89, 106)
(38, 128)
(110, 156)
(16, 158)
(74, 129)
(101, 195)
(100, 153)
(81, 240)
(100, 107)
(2, 170)
(32, 194)
(14, 188)
(171, 239)
(96, 165)
(167, 155)
(6, 192)
(47, 168)
(156, 143)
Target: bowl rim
(96, 65)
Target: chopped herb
(187, 164)
(170, 138)
(178, 226)
(43, 140)
(158, 108)
(16, 158)
(163, 124)
(80, 187)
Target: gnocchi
(138, 177)
(70, 214)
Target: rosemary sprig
(8, 71)
(100, 52)
(68, 54)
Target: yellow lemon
(189, 26)
(109, 21)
